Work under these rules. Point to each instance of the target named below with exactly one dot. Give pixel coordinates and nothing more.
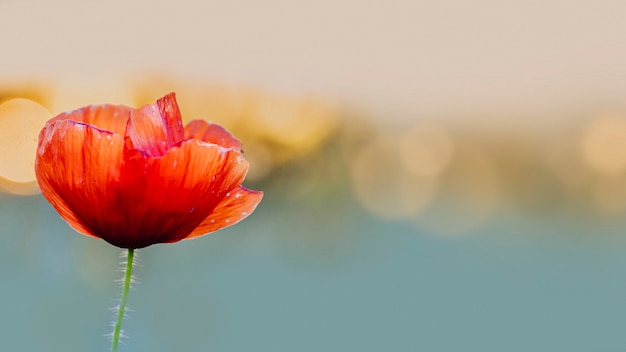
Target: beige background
(394, 59)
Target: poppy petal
(75, 178)
(106, 117)
(155, 128)
(173, 121)
(211, 133)
(163, 199)
(133, 179)
(236, 206)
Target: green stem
(122, 307)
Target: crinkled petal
(132, 178)
(236, 206)
(163, 199)
(173, 121)
(75, 165)
(155, 128)
(211, 133)
(111, 118)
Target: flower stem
(128, 272)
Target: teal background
(321, 275)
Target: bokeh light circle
(384, 185)
(468, 197)
(426, 149)
(603, 145)
(20, 123)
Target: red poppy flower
(136, 177)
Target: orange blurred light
(603, 145)
(20, 123)
(293, 121)
(426, 149)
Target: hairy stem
(128, 272)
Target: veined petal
(132, 178)
(172, 120)
(155, 128)
(163, 199)
(211, 133)
(106, 117)
(145, 131)
(75, 166)
(236, 206)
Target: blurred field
(447, 176)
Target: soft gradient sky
(395, 59)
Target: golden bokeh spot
(218, 103)
(468, 197)
(35, 90)
(300, 124)
(385, 186)
(603, 145)
(287, 125)
(76, 92)
(20, 123)
(223, 105)
(19, 188)
(426, 149)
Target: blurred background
(438, 176)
